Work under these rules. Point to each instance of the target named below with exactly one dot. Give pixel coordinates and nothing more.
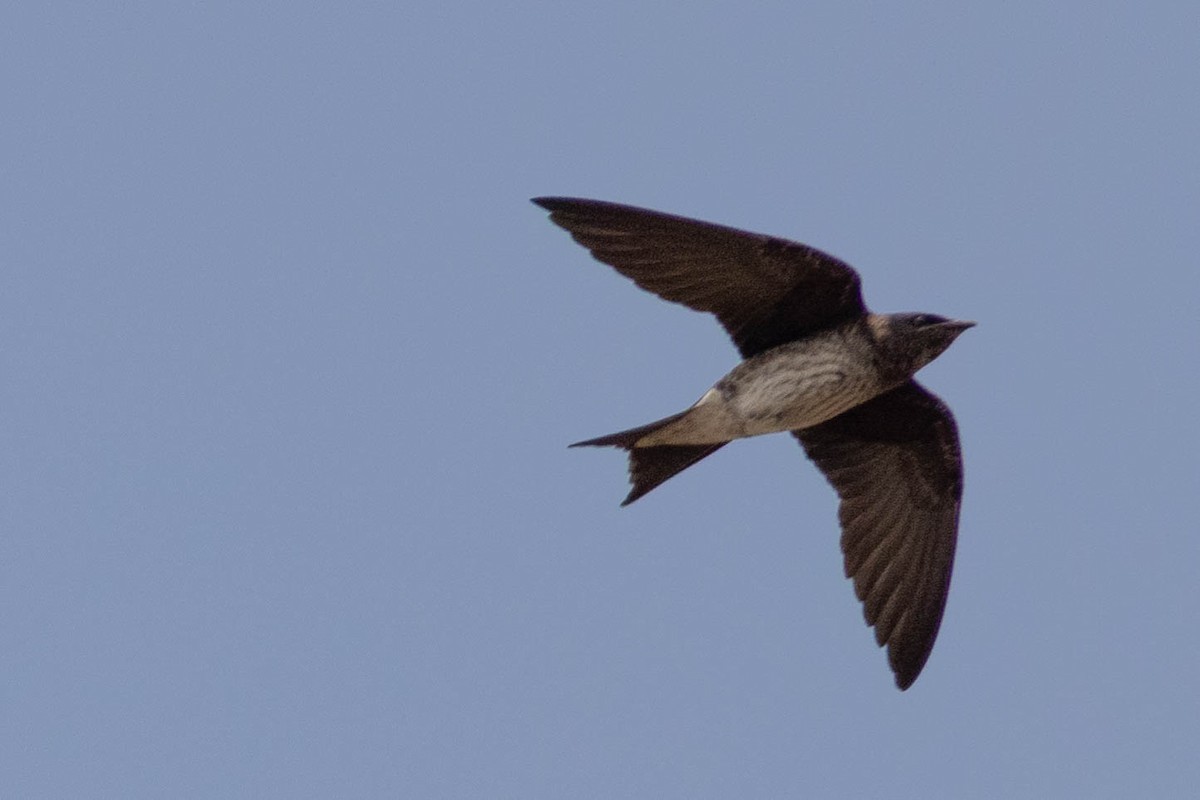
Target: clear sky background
(289, 364)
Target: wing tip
(555, 203)
(908, 658)
(907, 674)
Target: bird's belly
(791, 387)
(797, 390)
(785, 402)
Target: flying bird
(818, 364)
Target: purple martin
(816, 363)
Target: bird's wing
(765, 291)
(896, 465)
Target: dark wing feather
(765, 291)
(896, 465)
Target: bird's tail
(651, 466)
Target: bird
(818, 364)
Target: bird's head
(920, 338)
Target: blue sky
(290, 364)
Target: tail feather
(649, 467)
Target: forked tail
(651, 466)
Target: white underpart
(794, 386)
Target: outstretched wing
(896, 465)
(765, 291)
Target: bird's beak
(959, 325)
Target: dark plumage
(816, 363)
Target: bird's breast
(800, 384)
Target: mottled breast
(804, 383)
